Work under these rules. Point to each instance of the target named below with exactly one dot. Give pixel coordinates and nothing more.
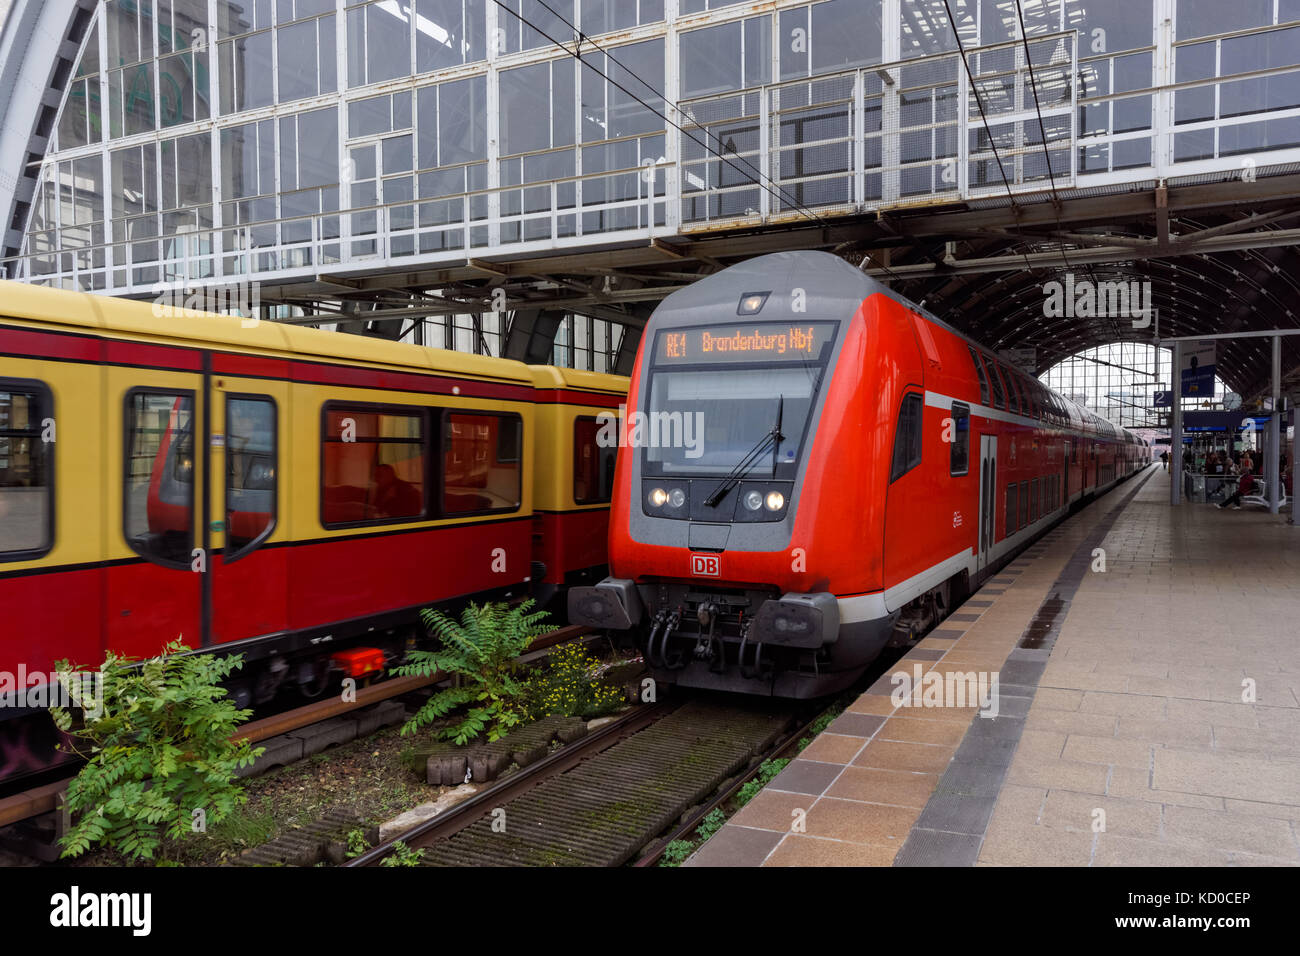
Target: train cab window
(995, 382)
(158, 505)
(26, 471)
(593, 461)
(979, 373)
(482, 463)
(907, 439)
(373, 464)
(251, 472)
(959, 455)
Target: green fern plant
(482, 651)
(158, 748)
(402, 855)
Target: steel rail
(509, 788)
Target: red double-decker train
(817, 467)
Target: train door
(988, 495)
(249, 471)
(155, 498)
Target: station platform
(1147, 714)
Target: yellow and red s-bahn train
(855, 465)
(282, 492)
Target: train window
(995, 382)
(1012, 510)
(482, 463)
(1033, 500)
(251, 453)
(373, 464)
(158, 505)
(907, 439)
(26, 470)
(593, 461)
(1024, 504)
(959, 455)
(979, 373)
(1013, 388)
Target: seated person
(393, 497)
(1244, 486)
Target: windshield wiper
(777, 436)
(773, 437)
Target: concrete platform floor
(1148, 714)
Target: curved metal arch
(38, 52)
(1194, 296)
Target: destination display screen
(745, 342)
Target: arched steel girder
(982, 285)
(1197, 294)
(1244, 362)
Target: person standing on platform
(1164, 456)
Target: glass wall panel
(449, 33)
(379, 43)
(924, 28)
(1202, 18)
(247, 79)
(602, 16)
(725, 57)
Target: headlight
(753, 500)
(775, 500)
(658, 498)
(677, 497)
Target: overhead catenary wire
(1042, 131)
(979, 103)
(576, 53)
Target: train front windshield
(711, 403)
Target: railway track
(40, 800)
(600, 800)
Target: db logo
(709, 565)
